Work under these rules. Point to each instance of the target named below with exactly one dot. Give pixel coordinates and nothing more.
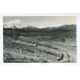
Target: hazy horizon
(38, 21)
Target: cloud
(16, 22)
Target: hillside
(31, 44)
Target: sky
(38, 21)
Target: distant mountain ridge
(64, 31)
(62, 27)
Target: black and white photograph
(39, 39)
